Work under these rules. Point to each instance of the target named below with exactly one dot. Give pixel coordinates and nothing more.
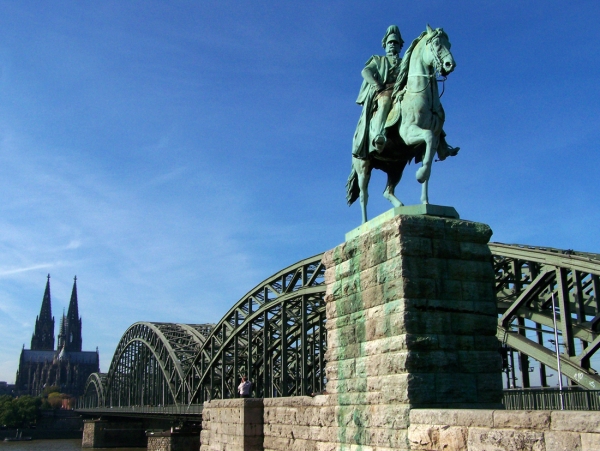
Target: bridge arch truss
(275, 334)
(527, 280)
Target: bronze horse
(414, 126)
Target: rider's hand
(378, 87)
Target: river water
(52, 445)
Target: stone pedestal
(411, 320)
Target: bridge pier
(174, 440)
(120, 433)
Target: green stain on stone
(357, 410)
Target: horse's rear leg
(363, 171)
(392, 181)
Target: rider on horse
(376, 97)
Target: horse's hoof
(422, 174)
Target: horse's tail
(352, 188)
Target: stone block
(489, 388)
(576, 421)
(420, 226)
(446, 249)
(475, 251)
(411, 247)
(479, 361)
(449, 290)
(436, 437)
(477, 291)
(485, 439)
(562, 441)
(470, 271)
(590, 442)
(538, 420)
(453, 417)
(467, 231)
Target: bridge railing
(172, 410)
(550, 399)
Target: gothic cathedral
(67, 367)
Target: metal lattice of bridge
(276, 335)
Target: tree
(50, 389)
(28, 408)
(19, 412)
(55, 400)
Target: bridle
(438, 57)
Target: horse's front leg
(363, 171)
(431, 142)
(413, 135)
(424, 192)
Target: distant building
(67, 367)
(6, 388)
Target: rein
(437, 64)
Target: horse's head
(437, 52)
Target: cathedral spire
(73, 323)
(43, 335)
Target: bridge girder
(150, 363)
(288, 304)
(527, 280)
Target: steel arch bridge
(276, 334)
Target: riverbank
(52, 424)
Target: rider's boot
(446, 150)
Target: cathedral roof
(29, 356)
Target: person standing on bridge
(245, 387)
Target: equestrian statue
(402, 116)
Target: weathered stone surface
(562, 441)
(453, 417)
(522, 419)
(174, 443)
(590, 442)
(485, 439)
(579, 421)
(434, 438)
(233, 424)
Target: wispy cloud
(8, 272)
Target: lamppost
(560, 386)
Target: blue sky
(174, 154)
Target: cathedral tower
(43, 336)
(72, 324)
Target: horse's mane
(404, 66)
(403, 74)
